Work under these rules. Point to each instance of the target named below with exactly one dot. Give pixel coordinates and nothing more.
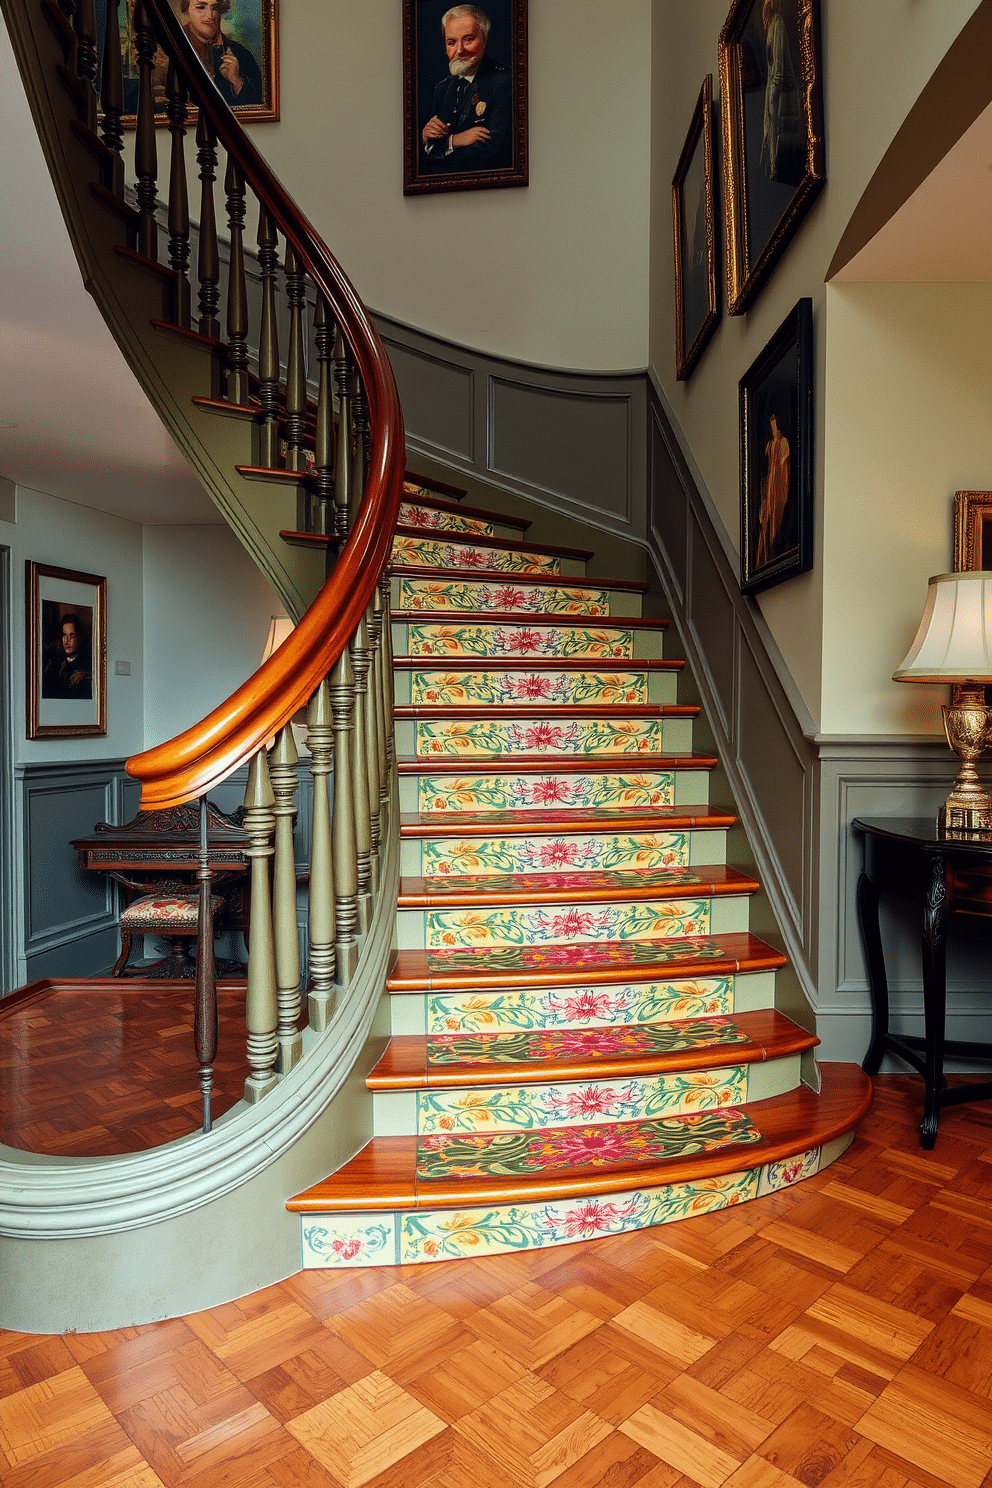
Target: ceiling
(73, 421)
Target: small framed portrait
(773, 154)
(776, 426)
(464, 95)
(697, 306)
(972, 531)
(236, 40)
(66, 635)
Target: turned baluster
(343, 463)
(322, 925)
(360, 765)
(145, 147)
(296, 363)
(344, 847)
(261, 1010)
(381, 623)
(205, 1013)
(112, 97)
(208, 258)
(237, 288)
(360, 415)
(324, 438)
(282, 773)
(179, 250)
(385, 591)
(86, 57)
(373, 624)
(268, 344)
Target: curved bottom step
(376, 1212)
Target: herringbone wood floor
(839, 1333)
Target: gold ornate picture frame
(773, 148)
(697, 303)
(972, 531)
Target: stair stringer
(124, 1229)
(170, 370)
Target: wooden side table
(945, 876)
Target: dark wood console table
(945, 876)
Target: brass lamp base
(968, 726)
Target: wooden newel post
(322, 913)
(205, 1013)
(262, 1014)
(282, 773)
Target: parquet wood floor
(93, 1069)
(837, 1333)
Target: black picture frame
(776, 434)
(697, 303)
(771, 91)
(425, 72)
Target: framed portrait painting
(66, 635)
(697, 307)
(236, 40)
(972, 531)
(776, 428)
(773, 152)
(464, 95)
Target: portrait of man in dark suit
(469, 127)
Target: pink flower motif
(574, 922)
(346, 1249)
(595, 1100)
(539, 735)
(528, 640)
(588, 1004)
(543, 792)
(789, 1172)
(505, 598)
(602, 1145)
(556, 854)
(585, 1041)
(532, 686)
(590, 1218)
(466, 558)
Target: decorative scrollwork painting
(66, 634)
(773, 151)
(697, 306)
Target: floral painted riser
(451, 1234)
(529, 792)
(568, 644)
(470, 594)
(425, 552)
(429, 517)
(521, 926)
(635, 1041)
(493, 737)
(530, 1107)
(580, 689)
(578, 1007)
(537, 959)
(601, 852)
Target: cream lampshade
(954, 645)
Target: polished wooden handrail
(204, 755)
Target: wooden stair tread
(439, 503)
(310, 539)
(564, 819)
(511, 578)
(149, 265)
(456, 890)
(552, 764)
(534, 710)
(383, 1175)
(407, 1065)
(410, 478)
(249, 412)
(599, 962)
(535, 664)
(184, 333)
(115, 205)
(504, 544)
(279, 475)
(528, 619)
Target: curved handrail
(205, 754)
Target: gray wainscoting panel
(575, 442)
(8, 854)
(668, 510)
(710, 617)
(571, 444)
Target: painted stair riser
(586, 1102)
(538, 688)
(431, 520)
(623, 1004)
(425, 1235)
(433, 551)
(561, 852)
(419, 929)
(598, 789)
(495, 738)
(479, 639)
(499, 594)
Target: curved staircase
(584, 1032)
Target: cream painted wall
(906, 425)
(50, 530)
(206, 615)
(876, 60)
(562, 264)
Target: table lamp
(954, 645)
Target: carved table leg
(878, 986)
(934, 995)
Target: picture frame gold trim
(699, 137)
(752, 255)
(51, 714)
(972, 530)
(509, 17)
(266, 112)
